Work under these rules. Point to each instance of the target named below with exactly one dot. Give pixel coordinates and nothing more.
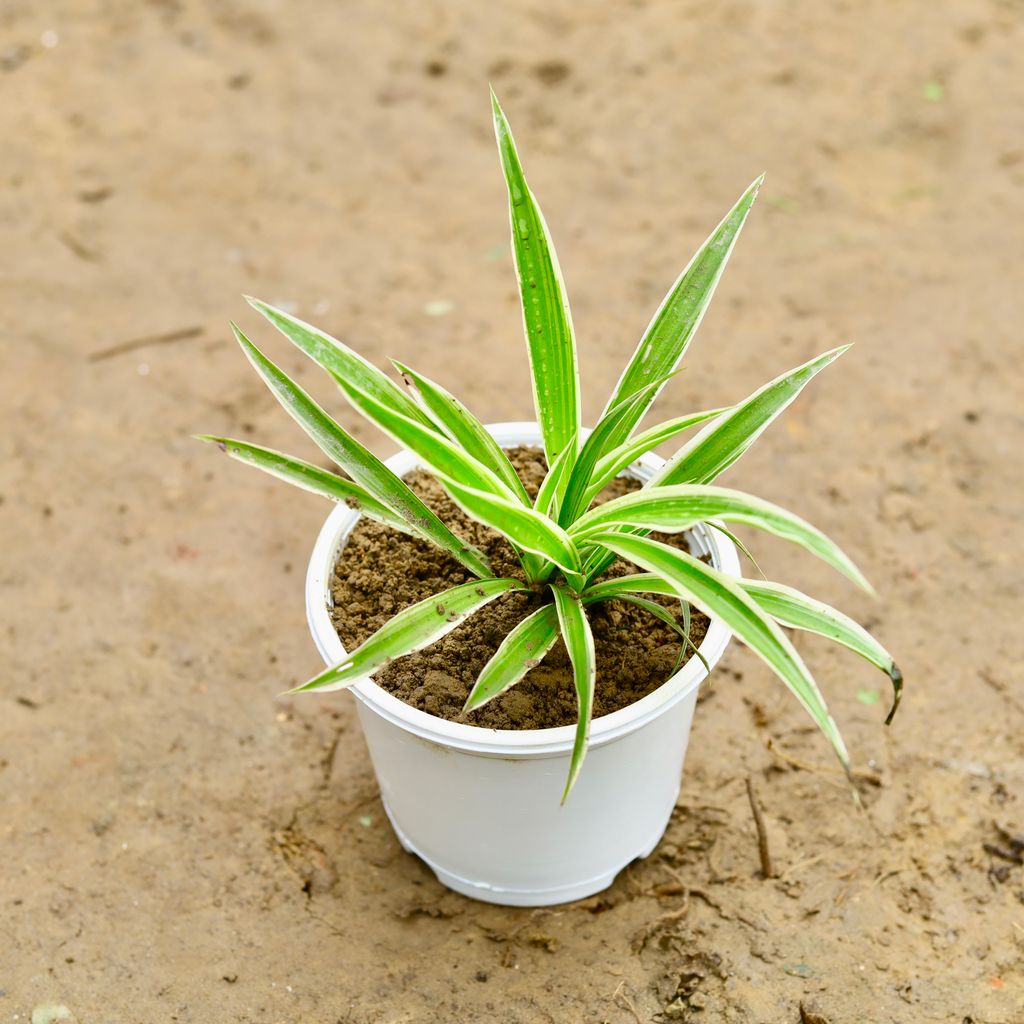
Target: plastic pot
(481, 806)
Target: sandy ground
(179, 844)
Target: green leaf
(743, 549)
(463, 428)
(577, 490)
(341, 362)
(625, 588)
(672, 329)
(627, 453)
(680, 507)
(310, 478)
(367, 470)
(549, 496)
(547, 322)
(792, 608)
(638, 582)
(726, 438)
(523, 527)
(721, 597)
(410, 630)
(445, 458)
(520, 651)
(579, 642)
(552, 487)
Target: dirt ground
(180, 844)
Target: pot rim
(508, 743)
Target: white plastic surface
(481, 806)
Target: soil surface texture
(179, 842)
(382, 571)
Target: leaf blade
(726, 438)
(668, 336)
(622, 457)
(547, 321)
(464, 428)
(721, 597)
(524, 527)
(410, 630)
(792, 608)
(579, 642)
(310, 478)
(578, 485)
(678, 507)
(364, 467)
(521, 650)
(340, 361)
(441, 455)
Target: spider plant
(563, 540)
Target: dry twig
(184, 334)
(762, 834)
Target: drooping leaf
(547, 321)
(410, 630)
(520, 651)
(672, 329)
(722, 598)
(365, 468)
(673, 509)
(341, 362)
(463, 428)
(579, 642)
(741, 547)
(792, 608)
(311, 478)
(685, 605)
(726, 438)
(625, 588)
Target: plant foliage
(565, 542)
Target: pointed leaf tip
(897, 692)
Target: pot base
(521, 897)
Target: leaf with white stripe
(310, 478)
(795, 609)
(341, 362)
(726, 438)
(674, 324)
(627, 453)
(520, 651)
(523, 527)
(410, 630)
(680, 507)
(463, 428)
(579, 642)
(364, 467)
(578, 488)
(547, 321)
(722, 598)
(443, 456)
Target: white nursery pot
(481, 806)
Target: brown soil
(383, 571)
(178, 842)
